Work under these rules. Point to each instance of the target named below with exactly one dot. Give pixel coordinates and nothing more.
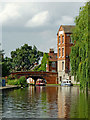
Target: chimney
(51, 50)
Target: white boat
(66, 82)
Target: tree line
(22, 59)
(79, 57)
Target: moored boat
(66, 82)
(40, 82)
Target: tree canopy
(23, 59)
(79, 52)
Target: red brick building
(64, 43)
(52, 62)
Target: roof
(68, 28)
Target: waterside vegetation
(21, 82)
(79, 52)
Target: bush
(22, 81)
(9, 77)
(12, 82)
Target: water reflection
(65, 95)
(45, 102)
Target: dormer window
(63, 39)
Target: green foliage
(3, 65)
(79, 106)
(9, 77)
(20, 82)
(79, 52)
(23, 59)
(5, 70)
(12, 82)
(36, 68)
(44, 62)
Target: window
(62, 65)
(53, 71)
(53, 64)
(67, 34)
(62, 52)
(59, 52)
(70, 39)
(59, 40)
(62, 39)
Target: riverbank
(9, 87)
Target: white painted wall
(61, 32)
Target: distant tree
(4, 70)
(23, 59)
(44, 62)
(79, 52)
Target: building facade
(64, 44)
(52, 61)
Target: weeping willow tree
(79, 52)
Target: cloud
(38, 19)
(66, 20)
(9, 11)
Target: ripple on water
(45, 102)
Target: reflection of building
(52, 62)
(52, 94)
(64, 43)
(67, 99)
(64, 102)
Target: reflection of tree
(22, 100)
(26, 99)
(79, 106)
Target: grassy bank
(19, 82)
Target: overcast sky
(35, 23)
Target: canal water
(45, 102)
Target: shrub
(22, 81)
(12, 82)
(9, 77)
